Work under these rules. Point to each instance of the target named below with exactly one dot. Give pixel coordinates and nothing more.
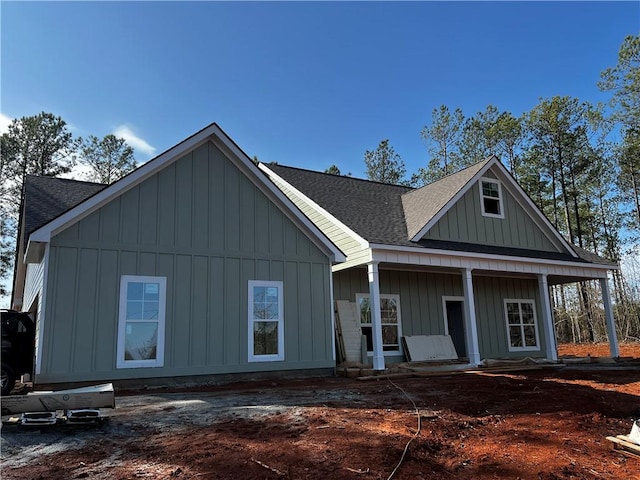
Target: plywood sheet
(429, 347)
(351, 332)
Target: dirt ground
(544, 424)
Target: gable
(465, 222)
(211, 134)
(202, 202)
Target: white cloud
(4, 123)
(139, 144)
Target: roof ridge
(339, 176)
(449, 175)
(48, 177)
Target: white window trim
(280, 355)
(446, 299)
(392, 296)
(122, 322)
(519, 301)
(500, 197)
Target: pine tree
(384, 164)
(441, 138)
(108, 159)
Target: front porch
(492, 308)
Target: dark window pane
(265, 338)
(514, 319)
(368, 333)
(515, 336)
(365, 310)
(141, 341)
(390, 335)
(490, 189)
(492, 206)
(530, 336)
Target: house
(202, 263)
(469, 256)
(194, 264)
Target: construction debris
(419, 348)
(628, 445)
(98, 396)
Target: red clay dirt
(545, 424)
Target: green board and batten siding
(490, 293)
(421, 305)
(464, 222)
(202, 224)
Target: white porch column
(547, 318)
(611, 322)
(376, 319)
(471, 329)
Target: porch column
(547, 318)
(471, 329)
(611, 322)
(376, 320)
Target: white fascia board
(77, 213)
(480, 173)
(364, 243)
(486, 256)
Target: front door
(455, 325)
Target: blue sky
(308, 84)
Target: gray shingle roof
(373, 210)
(422, 204)
(47, 197)
(392, 214)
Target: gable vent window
(491, 198)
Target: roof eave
(492, 256)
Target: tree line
(43, 145)
(578, 161)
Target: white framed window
(266, 321)
(522, 327)
(141, 321)
(491, 202)
(390, 319)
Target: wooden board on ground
(420, 348)
(350, 331)
(624, 445)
